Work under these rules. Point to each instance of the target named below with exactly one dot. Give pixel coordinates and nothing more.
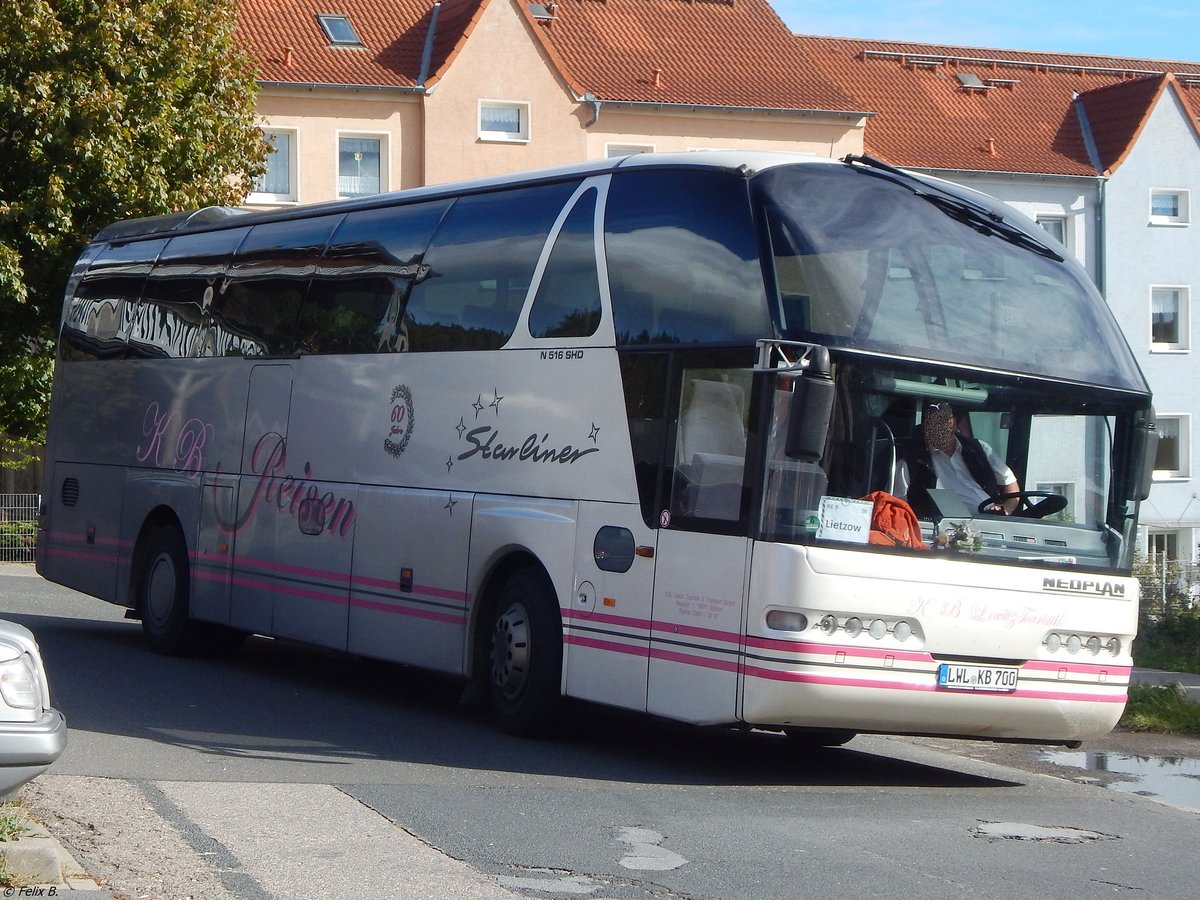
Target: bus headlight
(879, 629)
(1075, 643)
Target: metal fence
(18, 527)
(1168, 585)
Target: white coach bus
(629, 432)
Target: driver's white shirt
(951, 472)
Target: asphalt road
(292, 772)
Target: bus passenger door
(607, 621)
(257, 535)
(212, 567)
(315, 537)
(696, 645)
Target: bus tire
(525, 658)
(164, 592)
(804, 739)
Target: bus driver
(942, 457)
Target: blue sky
(1156, 29)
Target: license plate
(956, 677)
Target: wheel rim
(160, 589)
(511, 651)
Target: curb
(37, 858)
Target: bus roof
(216, 217)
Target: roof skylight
(972, 82)
(339, 30)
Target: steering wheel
(1049, 503)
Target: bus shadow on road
(329, 717)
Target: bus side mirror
(810, 410)
(1146, 442)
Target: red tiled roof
(728, 53)
(285, 40)
(1115, 115)
(1024, 119)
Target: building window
(1173, 458)
(1055, 226)
(361, 165)
(1169, 327)
(1065, 489)
(278, 183)
(1169, 207)
(611, 151)
(503, 121)
(1163, 545)
(339, 31)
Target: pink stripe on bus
(611, 646)
(70, 537)
(1028, 694)
(1076, 668)
(93, 556)
(833, 649)
(427, 590)
(337, 599)
(724, 637)
(702, 662)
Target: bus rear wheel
(525, 658)
(163, 593)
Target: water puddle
(1174, 780)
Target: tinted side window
(568, 298)
(106, 301)
(682, 259)
(480, 266)
(357, 300)
(644, 378)
(268, 283)
(170, 320)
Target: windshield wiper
(973, 215)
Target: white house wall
(1138, 254)
(1073, 199)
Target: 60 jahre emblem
(401, 425)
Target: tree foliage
(109, 109)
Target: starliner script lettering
(485, 442)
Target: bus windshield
(874, 259)
(1053, 492)
(943, 313)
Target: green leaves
(109, 109)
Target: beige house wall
(318, 116)
(500, 61)
(435, 137)
(668, 130)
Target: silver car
(32, 733)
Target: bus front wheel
(525, 659)
(805, 739)
(163, 593)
